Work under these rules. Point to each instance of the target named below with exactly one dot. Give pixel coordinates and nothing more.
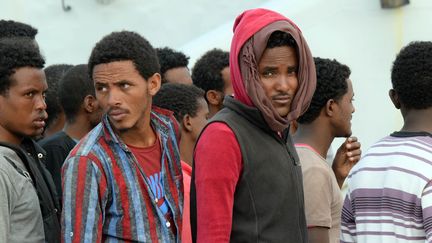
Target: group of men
(139, 162)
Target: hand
(347, 155)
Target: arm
(348, 225)
(426, 203)
(318, 235)
(347, 155)
(319, 197)
(218, 166)
(84, 198)
(4, 206)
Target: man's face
(200, 119)
(278, 75)
(344, 111)
(22, 107)
(124, 94)
(179, 75)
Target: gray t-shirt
(20, 215)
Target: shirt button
(156, 200)
(71, 234)
(40, 155)
(168, 224)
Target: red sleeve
(218, 164)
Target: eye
(268, 73)
(30, 94)
(124, 85)
(100, 88)
(292, 70)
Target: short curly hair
(412, 75)
(280, 38)
(207, 71)
(182, 99)
(169, 59)
(54, 73)
(78, 80)
(331, 84)
(17, 53)
(123, 46)
(10, 28)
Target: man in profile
(29, 211)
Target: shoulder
(52, 140)
(309, 158)
(217, 132)
(90, 143)
(165, 121)
(9, 175)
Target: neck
(8, 137)
(56, 125)
(213, 110)
(314, 135)
(417, 120)
(186, 148)
(78, 128)
(140, 135)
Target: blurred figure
(389, 195)
(14, 29)
(211, 73)
(328, 116)
(28, 206)
(78, 101)
(174, 66)
(56, 117)
(191, 111)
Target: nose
(40, 103)
(287, 83)
(113, 98)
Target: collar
(162, 121)
(402, 134)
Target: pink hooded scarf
(252, 30)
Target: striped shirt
(389, 195)
(106, 195)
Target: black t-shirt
(57, 148)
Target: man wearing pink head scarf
(247, 180)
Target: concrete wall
(356, 32)
(359, 34)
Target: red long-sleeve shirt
(218, 165)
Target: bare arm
(318, 235)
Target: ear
(329, 108)
(214, 97)
(187, 126)
(154, 84)
(89, 103)
(394, 98)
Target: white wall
(356, 32)
(68, 37)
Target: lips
(281, 99)
(117, 114)
(39, 123)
